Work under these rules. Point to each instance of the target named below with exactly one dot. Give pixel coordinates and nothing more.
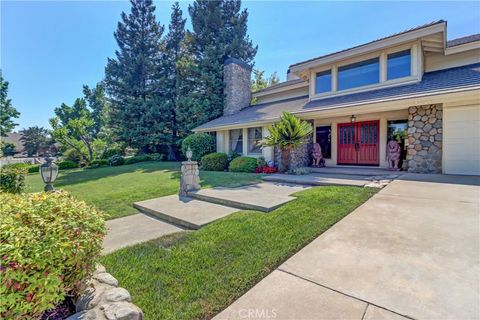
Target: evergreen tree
(7, 111)
(173, 84)
(132, 78)
(219, 32)
(99, 105)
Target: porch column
(221, 141)
(333, 160)
(267, 152)
(383, 141)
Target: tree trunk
(285, 158)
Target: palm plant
(287, 135)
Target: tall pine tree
(132, 78)
(219, 32)
(7, 111)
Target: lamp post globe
(189, 154)
(48, 172)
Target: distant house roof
(463, 77)
(14, 138)
(463, 40)
(368, 43)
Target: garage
(461, 137)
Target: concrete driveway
(412, 251)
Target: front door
(358, 143)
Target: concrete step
(263, 197)
(313, 179)
(184, 211)
(356, 171)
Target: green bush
(34, 168)
(215, 162)
(73, 155)
(12, 178)
(156, 156)
(116, 160)
(98, 163)
(200, 143)
(136, 159)
(112, 152)
(261, 162)
(243, 164)
(49, 244)
(67, 164)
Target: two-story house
(413, 86)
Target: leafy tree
(287, 134)
(35, 140)
(132, 77)
(7, 149)
(81, 127)
(259, 82)
(7, 111)
(219, 32)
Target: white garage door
(461, 138)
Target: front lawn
(194, 275)
(115, 189)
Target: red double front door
(358, 143)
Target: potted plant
(287, 135)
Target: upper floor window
(236, 141)
(323, 81)
(398, 64)
(254, 138)
(359, 74)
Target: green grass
(115, 189)
(194, 275)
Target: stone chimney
(238, 93)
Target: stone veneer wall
(237, 90)
(424, 153)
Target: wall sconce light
(353, 118)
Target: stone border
(104, 300)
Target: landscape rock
(122, 311)
(106, 278)
(117, 294)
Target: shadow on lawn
(85, 175)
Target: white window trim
(247, 151)
(415, 74)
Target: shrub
(156, 156)
(12, 178)
(136, 159)
(200, 143)
(243, 164)
(34, 168)
(116, 160)
(73, 155)
(67, 164)
(261, 162)
(49, 244)
(98, 163)
(112, 152)
(215, 162)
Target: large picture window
(254, 138)
(359, 74)
(324, 139)
(323, 81)
(236, 141)
(398, 64)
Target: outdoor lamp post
(49, 171)
(189, 154)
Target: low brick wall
(425, 135)
(104, 300)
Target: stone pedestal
(190, 179)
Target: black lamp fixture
(353, 119)
(49, 172)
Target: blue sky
(50, 49)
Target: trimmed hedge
(98, 163)
(200, 143)
(136, 159)
(49, 244)
(67, 164)
(215, 162)
(243, 164)
(34, 168)
(12, 178)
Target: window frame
(369, 61)
(330, 72)
(248, 140)
(397, 52)
(240, 140)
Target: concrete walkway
(412, 251)
(127, 231)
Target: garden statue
(393, 154)
(318, 160)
